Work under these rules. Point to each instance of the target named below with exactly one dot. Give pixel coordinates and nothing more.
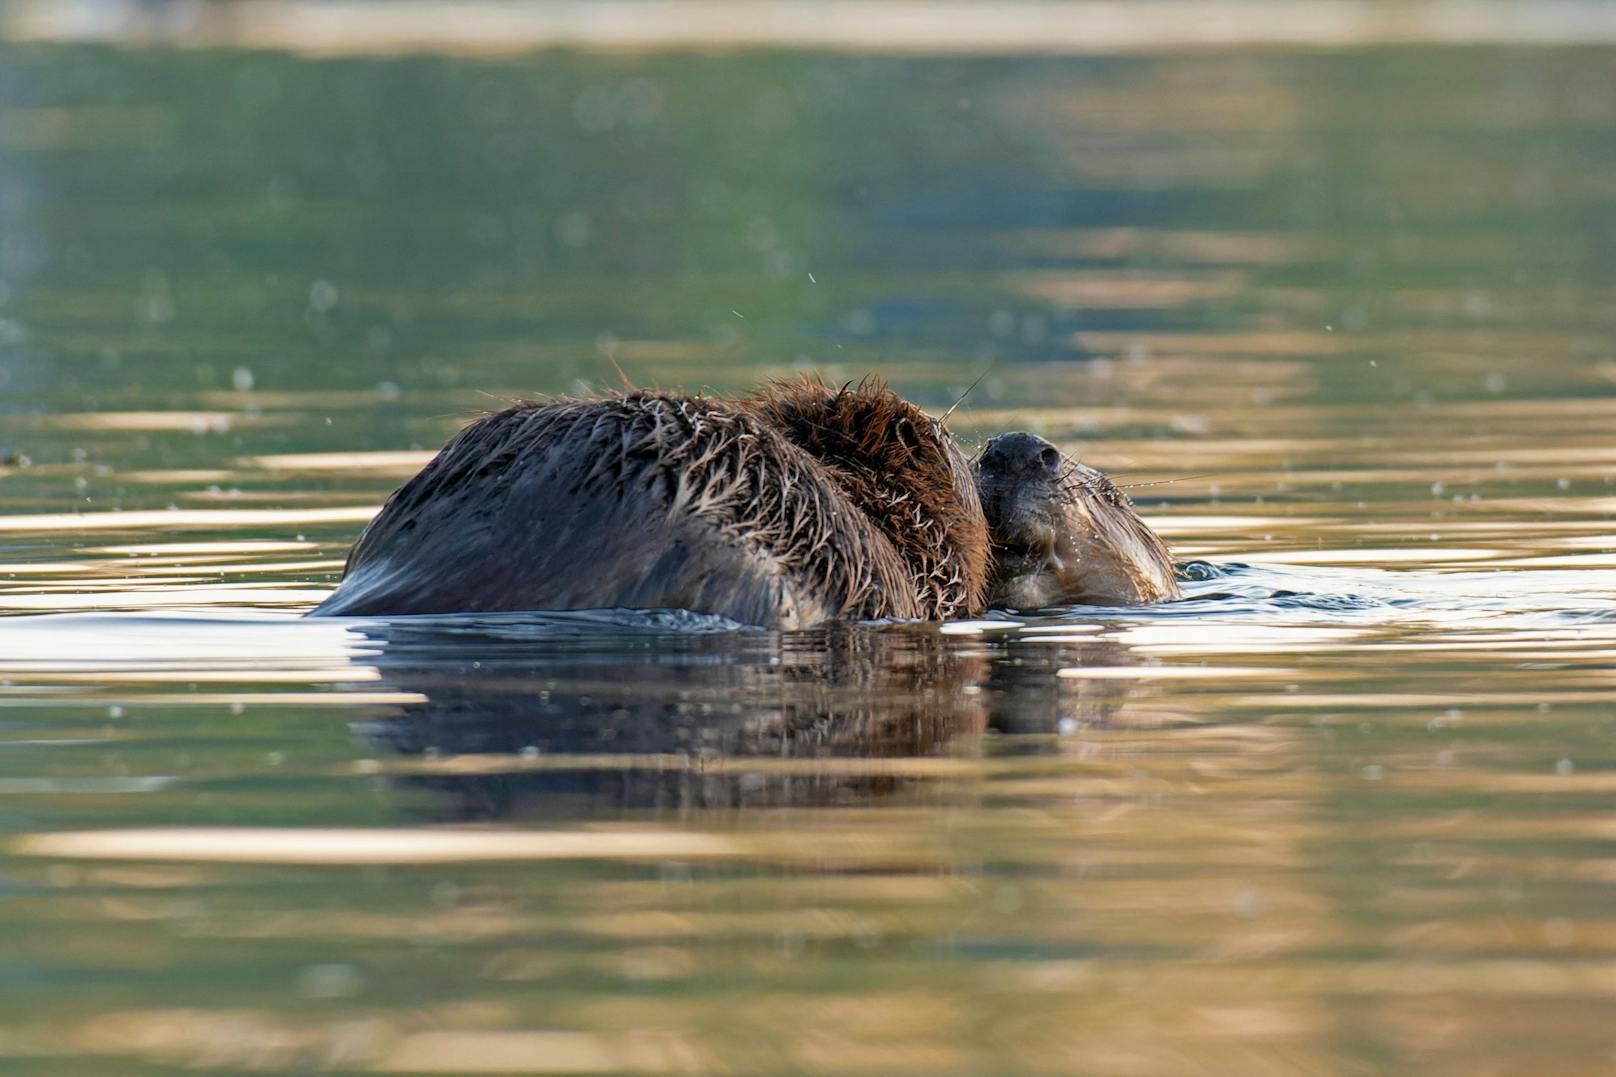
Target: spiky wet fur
(903, 470)
(786, 508)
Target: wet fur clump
(1064, 533)
(796, 505)
(904, 472)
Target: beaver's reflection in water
(577, 715)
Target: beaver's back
(648, 500)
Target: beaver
(788, 507)
(792, 506)
(1064, 533)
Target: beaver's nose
(1019, 452)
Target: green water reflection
(1344, 810)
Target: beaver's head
(902, 468)
(1062, 532)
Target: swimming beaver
(1063, 532)
(793, 506)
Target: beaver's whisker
(1164, 482)
(628, 386)
(965, 394)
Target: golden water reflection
(1340, 320)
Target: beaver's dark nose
(1019, 453)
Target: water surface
(1344, 809)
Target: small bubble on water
(336, 980)
(238, 708)
(862, 323)
(1559, 932)
(1564, 766)
(574, 229)
(1564, 484)
(1495, 382)
(1436, 489)
(789, 944)
(1067, 726)
(323, 296)
(115, 711)
(1478, 304)
(242, 379)
(1374, 772)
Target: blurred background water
(1343, 810)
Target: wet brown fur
(796, 505)
(904, 472)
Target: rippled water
(1344, 809)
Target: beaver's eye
(1050, 457)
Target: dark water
(1346, 809)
